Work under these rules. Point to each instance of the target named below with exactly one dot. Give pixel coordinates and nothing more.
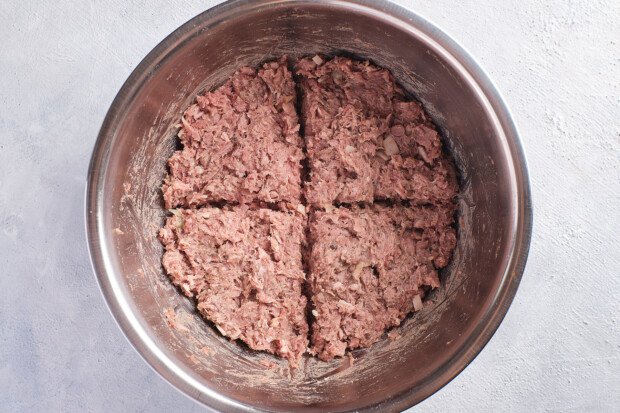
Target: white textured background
(557, 65)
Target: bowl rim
(109, 281)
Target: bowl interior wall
(131, 202)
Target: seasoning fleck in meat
(244, 268)
(365, 141)
(369, 268)
(241, 143)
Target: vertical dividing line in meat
(305, 178)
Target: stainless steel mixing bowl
(124, 207)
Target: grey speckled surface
(61, 63)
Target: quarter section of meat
(369, 267)
(365, 140)
(240, 142)
(244, 269)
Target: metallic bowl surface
(124, 208)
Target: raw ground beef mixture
(365, 141)
(369, 267)
(241, 143)
(362, 230)
(244, 268)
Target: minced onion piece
(417, 303)
(423, 154)
(381, 154)
(390, 146)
